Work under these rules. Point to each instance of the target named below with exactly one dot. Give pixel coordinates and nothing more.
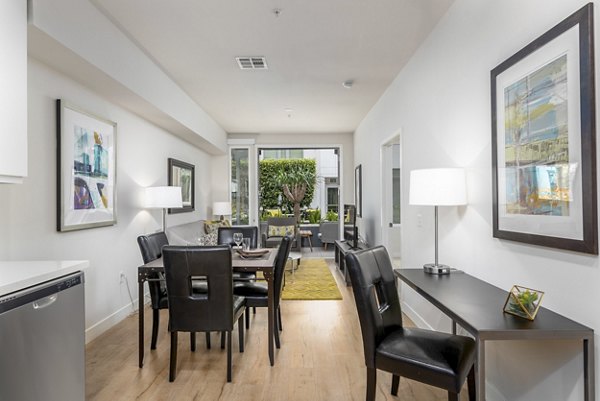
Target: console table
(340, 251)
(477, 307)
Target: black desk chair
(438, 359)
(215, 310)
(151, 248)
(257, 294)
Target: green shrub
(270, 189)
(313, 216)
(331, 216)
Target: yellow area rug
(311, 281)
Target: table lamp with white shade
(222, 209)
(438, 187)
(163, 198)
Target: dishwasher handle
(45, 302)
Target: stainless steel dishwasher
(42, 342)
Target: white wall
(441, 102)
(28, 211)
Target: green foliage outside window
(299, 176)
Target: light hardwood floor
(321, 358)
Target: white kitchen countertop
(17, 275)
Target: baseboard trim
(414, 316)
(103, 325)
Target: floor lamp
(438, 187)
(163, 198)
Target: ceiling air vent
(252, 63)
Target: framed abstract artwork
(86, 169)
(358, 189)
(544, 140)
(182, 175)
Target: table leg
(480, 371)
(453, 327)
(589, 392)
(141, 320)
(310, 243)
(270, 312)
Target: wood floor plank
(321, 358)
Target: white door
(391, 195)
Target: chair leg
(471, 384)
(395, 384)
(241, 333)
(193, 341)
(208, 340)
(247, 313)
(254, 310)
(155, 321)
(276, 334)
(453, 396)
(229, 356)
(279, 319)
(222, 340)
(371, 383)
(173, 359)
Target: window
(240, 189)
(396, 195)
(332, 199)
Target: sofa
(195, 232)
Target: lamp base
(432, 268)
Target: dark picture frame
(544, 140)
(182, 174)
(358, 189)
(86, 161)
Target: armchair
(329, 232)
(279, 227)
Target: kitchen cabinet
(13, 91)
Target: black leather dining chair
(225, 236)
(151, 248)
(256, 294)
(434, 358)
(216, 310)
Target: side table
(306, 234)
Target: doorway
(391, 174)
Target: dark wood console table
(340, 251)
(477, 307)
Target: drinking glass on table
(246, 244)
(237, 238)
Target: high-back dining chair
(438, 359)
(151, 249)
(225, 236)
(256, 294)
(216, 310)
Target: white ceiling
(311, 48)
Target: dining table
(264, 264)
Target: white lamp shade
(438, 187)
(163, 197)
(221, 208)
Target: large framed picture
(182, 175)
(544, 140)
(86, 168)
(358, 189)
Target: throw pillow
(280, 231)
(211, 226)
(208, 239)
